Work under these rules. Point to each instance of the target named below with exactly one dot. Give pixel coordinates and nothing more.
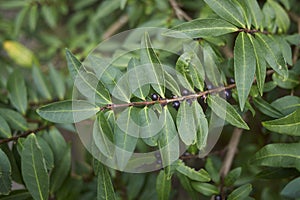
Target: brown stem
(115, 27)
(179, 12)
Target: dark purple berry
(230, 81)
(218, 197)
(185, 92)
(176, 104)
(228, 94)
(154, 97)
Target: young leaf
(155, 71)
(14, 119)
(5, 174)
(292, 190)
(289, 125)
(201, 175)
(228, 11)
(201, 28)
(105, 189)
(273, 54)
(57, 82)
(287, 104)
(40, 82)
(163, 185)
(17, 91)
(278, 155)
(5, 131)
(241, 192)
(206, 189)
(34, 169)
(244, 66)
(226, 111)
(68, 111)
(266, 108)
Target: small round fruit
(228, 94)
(218, 197)
(154, 97)
(230, 80)
(176, 104)
(185, 92)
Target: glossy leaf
(5, 174)
(278, 155)
(68, 111)
(244, 66)
(5, 131)
(287, 104)
(57, 82)
(255, 13)
(206, 189)
(228, 11)
(14, 119)
(155, 71)
(40, 83)
(17, 91)
(105, 189)
(34, 169)
(289, 125)
(273, 54)
(226, 111)
(292, 190)
(290, 82)
(201, 28)
(201, 175)
(241, 192)
(266, 108)
(163, 185)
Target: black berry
(228, 94)
(185, 92)
(230, 81)
(154, 97)
(176, 104)
(218, 197)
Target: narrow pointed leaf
(228, 11)
(14, 119)
(266, 108)
(200, 28)
(201, 175)
(278, 155)
(226, 111)
(17, 194)
(155, 71)
(232, 176)
(287, 104)
(289, 125)
(17, 91)
(241, 192)
(57, 82)
(47, 152)
(68, 111)
(244, 66)
(290, 82)
(34, 169)
(201, 125)
(255, 12)
(5, 131)
(40, 83)
(273, 54)
(163, 185)
(282, 18)
(5, 174)
(206, 189)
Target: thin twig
(115, 27)
(179, 12)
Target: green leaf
(292, 190)
(34, 169)
(232, 176)
(186, 123)
(228, 11)
(273, 54)
(163, 185)
(241, 192)
(105, 189)
(226, 111)
(17, 91)
(5, 174)
(290, 82)
(255, 12)
(244, 66)
(33, 17)
(289, 125)
(210, 167)
(13, 4)
(57, 82)
(49, 15)
(282, 18)
(5, 131)
(106, 8)
(154, 68)
(201, 175)
(201, 28)
(19, 19)
(266, 108)
(285, 49)
(182, 67)
(17, 194)
(47, 152)
(40, 82)
(287, 104)
(206, 189)
(278, 155)
(261, 65)
(201, 125)
(68, 111)
(14, 119)
(103, 135)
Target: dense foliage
(230, 65)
